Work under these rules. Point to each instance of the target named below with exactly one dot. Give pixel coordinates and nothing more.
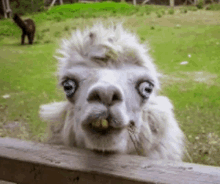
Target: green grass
(85, 11)
(27, 73)
(214, 7)
(26, 81)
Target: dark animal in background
(27, 26)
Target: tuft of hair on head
(101, 44)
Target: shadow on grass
(17, 44)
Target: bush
(183, 10)
(27, 6)
(159, 15)
(171, 11)
(200, 4)
(192, 8)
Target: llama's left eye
(145, 89)
(69, 87)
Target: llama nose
(105, 94)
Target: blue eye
(145, 89)
(69, 87)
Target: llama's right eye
(69, 87)
(145, 89)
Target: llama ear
(53, 112)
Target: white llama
(111, 86)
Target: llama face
(112, 104)
(105, 102)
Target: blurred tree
(26, 6)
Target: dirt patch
(202, 77)
(199, 77)
(205, 149)
(14, 129)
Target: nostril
(94, 96)
(116, 97)
(132, 124)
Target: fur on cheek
(68, 134)
(54, 114)
(165, 137)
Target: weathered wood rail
(35, 163)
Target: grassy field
(185, 44)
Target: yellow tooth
(96, 123)
(93, 123)
(104, 123)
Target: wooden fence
(35, 163)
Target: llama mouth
(100, 126)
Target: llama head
(108, 78)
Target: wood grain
(35, 163)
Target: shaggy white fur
(100, 42)
(108, 67)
